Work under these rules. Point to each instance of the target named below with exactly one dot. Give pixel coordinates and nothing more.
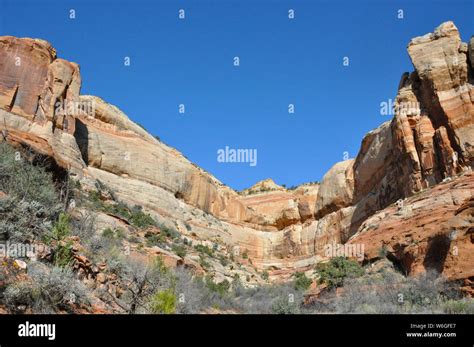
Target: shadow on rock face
(81, 135)
(437, 251)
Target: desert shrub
(134, 216)
(20, 178)
(22, 221)
(154, 239)
(83, 225)
(108, 233)
(375, 293)
(461, 306)
(203, 262)
(390, 292)
(426, 292)
(265, 275)
(301, 281)
(163, 301)
(31, 203)
(285, 306)
(99, 246)
(334, 272)
(62, 248)
(134, 239)
(204, 249)
(222, 288)
(267, 299)
(179, 250)
(223, 260)
(140, 219)
(142, 281)
(49, 291)
(192, 293)
(169, 232)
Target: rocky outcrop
(429, 140)
(37, 85)
(430, 137)
(271, 206)
(429, 231)
(440, 61)
(337, 188)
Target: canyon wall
(429, 140)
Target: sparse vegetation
(204, 250)
(221, 288)
(135, 216)
(179, 250)
(49, 291)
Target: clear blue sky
(283, 61)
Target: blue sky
(282, 62)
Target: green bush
(203, 262)
(62, 252)
(134, 216)
(301, 281)
(334, 272)
(140, 219)
(221, 288)
(169, 232)
(179, 250)
(285, 306)
(20, 178)
(164, 302)
(154, 239)
(205, 250)
(32, 202)
(113, 234)
(108, 233)
(96, 201)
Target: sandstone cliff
(430, 139)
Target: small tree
(142, 281)
(62, 252)
(302, 282)
(334, 272)
(163, 301)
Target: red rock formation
(431, 230)
(429, 139)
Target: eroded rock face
(430, 231)
(445, 92)
(430, 137)
(35, 84)
(429, 140)
(336, 188)
(271, 206)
